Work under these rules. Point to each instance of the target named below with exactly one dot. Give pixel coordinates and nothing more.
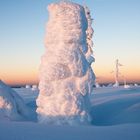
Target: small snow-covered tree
(12, 106)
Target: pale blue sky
(22, 29)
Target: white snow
(89, 34)
(28, 86)
(97, 85)
(116, 116)
(34, 87)
(65, 88)
(66, 76)
(135, 85)
(126, 86)
(12, 106)
(113, 106)
(32, 131)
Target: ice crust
(66, 76)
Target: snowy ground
(115, 111)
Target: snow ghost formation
(66, 76)
(12, 107)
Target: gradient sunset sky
(22, 31)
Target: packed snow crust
(116, 116)
(66, 76)
(12, 106)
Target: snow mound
(66, 76)
(12, 106)
(34, 87)
(28, 86)
(97, 85)
(126, 86)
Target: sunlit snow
(66, 76)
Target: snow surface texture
(12, 106)
(66, 77)
(116, 113)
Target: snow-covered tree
(66, 76)
(89, 34)
(12, 106)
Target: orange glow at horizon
(20, 78)
(103, 75)
(21, 75)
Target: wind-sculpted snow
(12, 106)
(115, 111)
(89, 34)
(66, 77)
(113, 106)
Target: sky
(116, 36)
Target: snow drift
(12, 106)
(113, 106)
(66, 76)
(116, 113)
